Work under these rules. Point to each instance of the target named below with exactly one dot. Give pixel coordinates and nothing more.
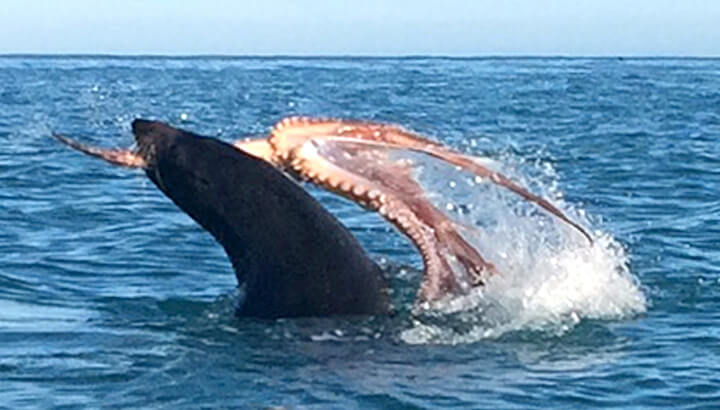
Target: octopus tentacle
(259, 148)
(500, 179)
(125, 158)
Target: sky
(362, 27)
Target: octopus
(356, 159)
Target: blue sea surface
(112, 297)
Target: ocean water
(112, 297)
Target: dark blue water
(110, 296)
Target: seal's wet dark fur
(292, 257)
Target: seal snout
(147, 136)
(152, 135)
(146, 132)
(141, 126)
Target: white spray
(550, 276)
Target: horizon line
(360, 56)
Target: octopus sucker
(351, 158)
(333, 183)
(373, 194)
(403, 222)
(383, 210)
(322, 180)
(358, 191)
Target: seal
(291, 256)
(366, 162)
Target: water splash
(550, 277)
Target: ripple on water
(108, 294)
